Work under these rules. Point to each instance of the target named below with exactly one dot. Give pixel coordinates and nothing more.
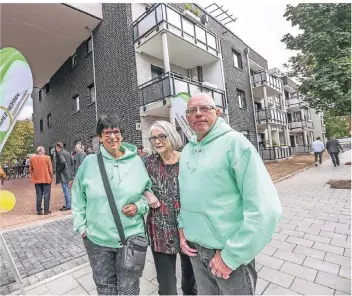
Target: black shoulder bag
(134, 249)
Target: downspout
(94, 81)
(250, 87)
(226, 110)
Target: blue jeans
(67, 195)
(242, 281)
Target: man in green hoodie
(229, 205)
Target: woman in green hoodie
(93, 218)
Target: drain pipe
(94, 81)
(250, 87)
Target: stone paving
(310, 252)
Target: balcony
(264, 78)
(190, 44)
(275, 153)
(296, 102)
(269, 115)
(170, 84)
(288, 84)
(299, 126)
(299, 149)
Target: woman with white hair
(163, 168)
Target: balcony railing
(296, 100)
(300, 124)
(302, 149)
(264, 77)
(273, 153)
(288, 81)
(170, 84)
(177, 23)
(271, 116)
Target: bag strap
(111, 200)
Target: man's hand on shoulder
(219, 267)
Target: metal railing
(271, 115)
(273, 153)
(170, 84)
(263, 77)
(300, 124)
(302, 149)
(177, 23)
(296, 100)
(288, 81)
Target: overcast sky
(260, 25)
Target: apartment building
(131, 59)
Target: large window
(237, 60)
(41, 125)
(75, 104)
(156, 71)
(91, 90)
(241, 99)
(48, 118)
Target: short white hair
(40, 149)
(172, 136)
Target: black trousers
(165, 265)
(335, 158)
(318, 154)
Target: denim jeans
(335, 158)
(316, 155)
(242, 281)
(165, 265)
(109, 277)
(43, 190)
(67, 194)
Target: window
(156, 71)
(89, 45)
(40, 96)
(237, 60)
(75, 104)
(41, 125)
(91, 90)
(287, 96)
(47, 88)
(74, 60)
(48, 118)
(246, 134)
(241, 99)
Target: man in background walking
(318, 149)
(80, 155)
(64, 173)
(333, 146)
(41, 172)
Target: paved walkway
(309, 253)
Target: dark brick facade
(116, 79)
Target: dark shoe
(67, 209)
(47, 212)
(63, 208)
(39, 213)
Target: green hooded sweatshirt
(228, 200)
(90, 207)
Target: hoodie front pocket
(197, 224)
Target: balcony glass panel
(188, 26)
(211, 41)
(146, 24)
(193, 89)
(200, 33)
(173, 17)
(218, 99)
(159, 14)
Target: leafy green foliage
(336, 126)
(323, 62)
(20, 142)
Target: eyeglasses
(108, 133)
(161, 138)
(203, 109)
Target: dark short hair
(318, 138)
(140, 147)
(60, 145)
(109, 121)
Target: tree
(337, 127)
(20, 142)
(323, 63)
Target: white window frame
(74, 60)
(76, 103)
(89, 45)
(241, 100)
(91, 89)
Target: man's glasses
(203, 109)
(109, 133)
(161, 138)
